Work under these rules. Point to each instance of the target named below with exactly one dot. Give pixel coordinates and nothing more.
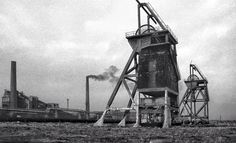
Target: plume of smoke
(109, 74)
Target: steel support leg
(101, 120)
(137, 124)
(167, 114)
(123, 121)
(113, 95)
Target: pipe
(87, 105)
(13, 86)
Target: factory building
(13, 99)
(25, 102)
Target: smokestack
(67, 101)
(87, 95)
(108, 74)
(13, 96)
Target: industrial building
(25, 102)
(13, 99)
(16, 106)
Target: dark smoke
(109, 74)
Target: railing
(172, 33)
(129, 34)
(133, 33)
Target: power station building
(25, 102)
(13, 99)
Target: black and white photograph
(117, 71)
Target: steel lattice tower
(152, 68)
(194, 104)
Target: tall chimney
(13, 96)
(67, 103)
(87, 95)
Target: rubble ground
(64, 132)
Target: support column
(195, 108)
(191, 106)
(167, 38)
(167, 114)
(148, 22)
(101, 120)
(207, 111)
(113, 95)
(28, 104)
(137, 124)
(139, 19)
(56, 114)
(123, 121)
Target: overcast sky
(56, 43)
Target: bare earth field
(17, 132)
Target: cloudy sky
(56, 43)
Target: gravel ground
(31, 132)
